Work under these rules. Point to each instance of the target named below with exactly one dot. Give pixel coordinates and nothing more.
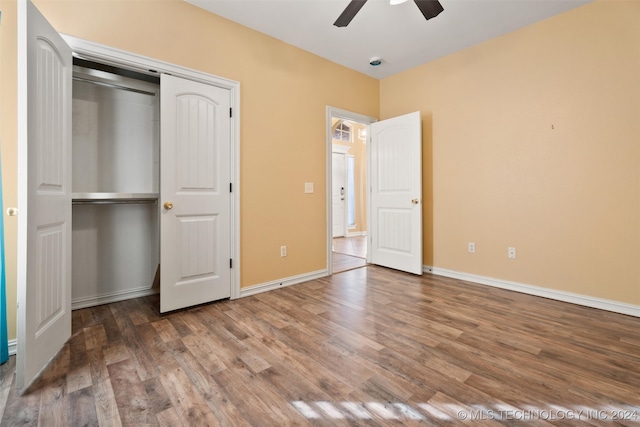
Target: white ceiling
(398, 34)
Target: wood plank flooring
(348, 253)
(370, 346)
(354, 246)
(341, 262)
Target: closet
(118, 173)
(150, 186)
(115, 183)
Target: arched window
(343, 132)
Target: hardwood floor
(348, 253)
(354, 246)
(341, 262)
(370, 346)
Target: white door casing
(396, 193)
(339, 194)
(44, 190)
(195, 232)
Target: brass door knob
(168, 205)
(415, 201)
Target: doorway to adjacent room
(348, 137)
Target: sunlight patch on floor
(453, 412)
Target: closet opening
(115, 183)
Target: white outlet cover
(308, 187)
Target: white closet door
(396, 193)
(44, 189)
(195, 220)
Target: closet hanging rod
(113, 85)
(113, 202)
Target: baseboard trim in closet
(275, 284)
(13, 347)
(112, 297)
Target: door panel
(44, 224)
(396, 193)
(196, 253)
(338, 194)
(195, 232)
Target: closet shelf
(113, 198)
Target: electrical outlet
(472, 248)
(283, 251)
(308, 187)
(511, 252)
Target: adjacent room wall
(278, 82)
(532, 140)
(358, 149)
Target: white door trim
(143, 64)
(332, 112)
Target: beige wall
(278, 82)
(532, 140)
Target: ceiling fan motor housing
(429, 9)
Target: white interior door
(195, 220)
(338, 193)
(396, 193)
(44, 190)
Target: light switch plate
(308, 187)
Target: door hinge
(231, 187)
(230, 112)
(230, 262)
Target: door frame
(331, 113)
(127, 60)
(119, 58)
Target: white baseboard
(12, 347)
(584, 300)
(293, 280)
(356, 233)
(92, 301)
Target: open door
(396, 193)
(44, 191)
(195, 220)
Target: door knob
(415, 201)
(168, 205)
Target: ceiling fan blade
(429, 8)
(350, 11)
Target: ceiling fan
(429, 8)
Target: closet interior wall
(116, 146)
